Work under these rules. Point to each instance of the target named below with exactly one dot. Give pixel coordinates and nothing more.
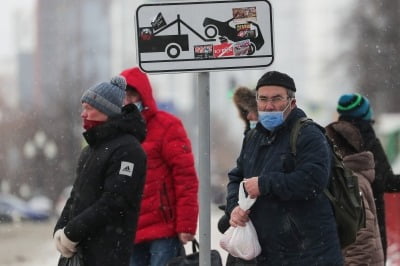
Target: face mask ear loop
(287, 106)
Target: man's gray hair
(291, 94)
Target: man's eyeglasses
(274, 100)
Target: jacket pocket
(165, 204)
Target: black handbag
(75, 260)
(193, 259)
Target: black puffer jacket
(385, 179)
(102, 210)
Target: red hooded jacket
(170, 201)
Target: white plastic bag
(242, 241)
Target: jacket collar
(130, 121)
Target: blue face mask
(271, 120)
(139, 105)
(253, 124)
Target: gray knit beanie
(107, 97)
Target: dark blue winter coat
(293, 218)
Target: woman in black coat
(100, 217)
(356, 109)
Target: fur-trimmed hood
(346, 136)
(245, 101)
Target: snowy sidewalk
(31, 244)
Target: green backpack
(343, 191)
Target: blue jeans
(155, 253)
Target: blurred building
(63, 48)
(73, 48)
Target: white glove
(66, 247)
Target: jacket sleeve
(235, 177)
(177, 152)
(120, 196)
(364, 246)
(311, 173)
(64, 217)
(65, 214)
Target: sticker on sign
(204, 36)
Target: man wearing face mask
(169, 209)
(293, 218)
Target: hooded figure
(367, 249)
(101, 214)
(169, 210)
(245, 101)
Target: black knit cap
(276, 78)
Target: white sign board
(204, 36)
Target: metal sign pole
(203, 115)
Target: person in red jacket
(169, 208)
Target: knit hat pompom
(107, 97)
(119, 81)
(354, 105)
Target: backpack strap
(293, 139)
(294, 133)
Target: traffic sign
(204, 36)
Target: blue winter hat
(107, 97)
(354, 105)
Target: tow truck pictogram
(151, 41)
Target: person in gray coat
(293, 218)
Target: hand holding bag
(193, 259)
(242, 241)
(75, 260)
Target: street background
(51, 51)
(31, 244)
